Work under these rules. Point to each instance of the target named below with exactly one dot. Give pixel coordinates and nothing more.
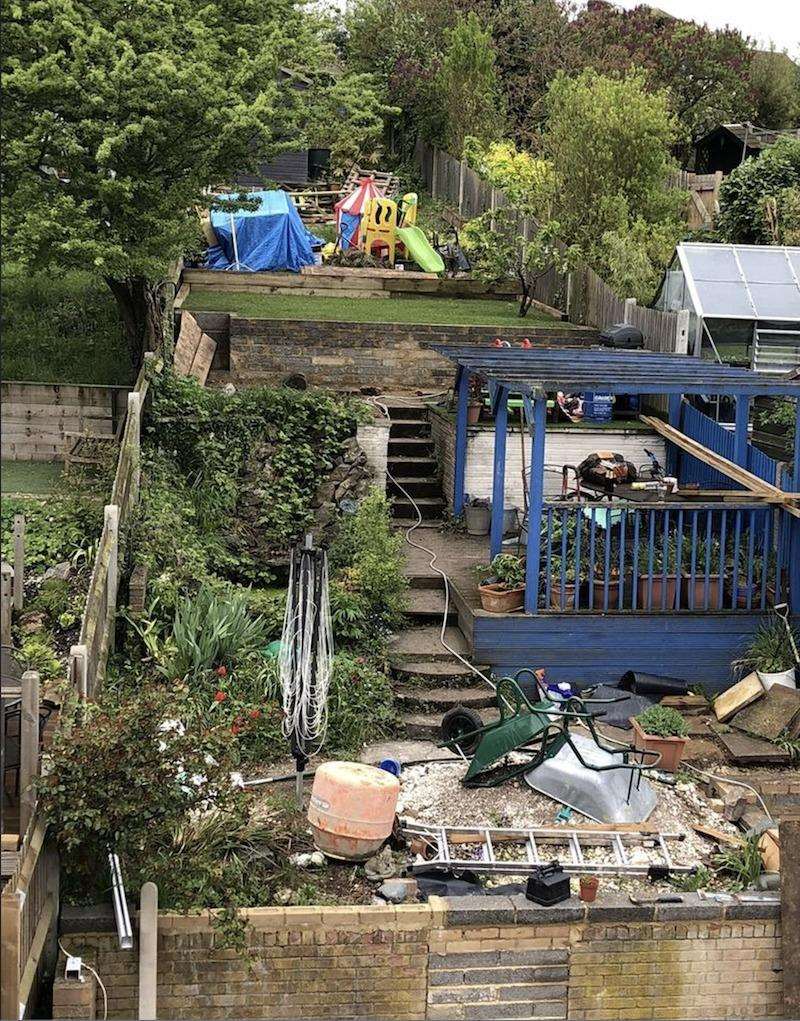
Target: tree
(117, 116)
(775, 84)
(467, 86)
(759, 201)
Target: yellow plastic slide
(419, 249)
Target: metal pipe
(121, 914)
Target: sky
(766, 21)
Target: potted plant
(664, 577)
(502, 584)
(588, 888)
(770, 653)
(475, 401)
(694, 592)
(570, 583)
(477, 516)
(661, 729)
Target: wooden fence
(582, 294)
(12, 588)
(703, 190)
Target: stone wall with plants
(192, 698)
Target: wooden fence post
(492, 207)
(10, 945)
(461, 173)
(6, 601)
(29, 748)
(19, 560)
(148, 952)
(682, 332)
(111, 512)
(434, 171)
(135, 434)
(79, 670)
(630, 305)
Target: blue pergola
(534, 373)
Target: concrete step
(414, 446)
(401, 412)
(429, 507)
(403, 522)
(416, 698)
(425, 581)
(435, 673)
(416, 486)
(413, 427)
(412, 467)
(428, 725)
(422, 643)
(427, 604)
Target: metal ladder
(440, 849)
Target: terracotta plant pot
(670, 583)
(670, 748)
(598, 595)
(474, 413)
(555, 594)
(497, 599)
(588, 888)
(698, 591)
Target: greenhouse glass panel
(743, 281)
(725, 299)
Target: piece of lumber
(187, 343)
(777, 713)
(769, 846)
(718, 836)
(204, 356)
(747, 691)
(747, 750)
(734, 471)
(685, 701)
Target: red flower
(254, 714)
(222, 671)
(220, 696)
(235, 728)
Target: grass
(34, 478)
(412, 311)
(61, 327)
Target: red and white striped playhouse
(349, 209)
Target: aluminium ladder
(479, 846)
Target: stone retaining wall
(384, 357)
(456, 960)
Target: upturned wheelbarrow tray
(538, 730)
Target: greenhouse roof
(742, 281)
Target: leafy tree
(467, 86)
(775, 84)
(528, 183)
(704, 71)
(759, 200)
(609, 141)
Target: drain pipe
(121, 914)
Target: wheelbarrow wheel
(459, 721)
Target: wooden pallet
(388, 183)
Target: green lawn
(36, 478)
(412, 311)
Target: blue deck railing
(716, 437)
(712, 557)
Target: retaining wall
(456, 960)
(384, 357)
(37, 416)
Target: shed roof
(755, 136)
(542, 370)
(742, 281)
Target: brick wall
(563, 445)
(349, 356)
(458, 960)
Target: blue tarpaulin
(270, 237)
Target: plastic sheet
(269, 238)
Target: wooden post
(462, 389)
(499, 476)
(794, 558)
(461, 172)
(742, 420)
(19, 560)
(111, 512)
(148, 952)
(535, 504)
(134, 432)
(29, 748)
(627, 316)
(682, 332)
(79, 670)
(10, 945)
(434, 171)
(6, 601)
(789, 835)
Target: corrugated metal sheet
(776, 352)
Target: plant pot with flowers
(661, 729)
(770, 653)
(501, 583)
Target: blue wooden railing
(712, 557)
(711, 434)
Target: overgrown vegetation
(759, 201)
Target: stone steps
(415, 698)
(428, 725)
(416, 486)
(436, 673)
(422, 644)
(430, 507)
(428, 605)
(404, 467)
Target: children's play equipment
(270, 237)
(350, 209)
(379, 226)
(605, 784)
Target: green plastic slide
(419, 249)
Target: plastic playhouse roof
(742, 281)
(541, 370)
(354, 202)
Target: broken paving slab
(738, 697)
(777, 713)
(744, 749)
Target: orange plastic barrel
(352, 809)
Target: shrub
(770, 650)
(360, 705)
(662, 721)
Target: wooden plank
(773, 715)
(37, 947)
(10, 936)
(685, 701)
(187, 343)
(770, 847)
(204, 356)
(734, 471)
(718, 836)
(747, 691)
